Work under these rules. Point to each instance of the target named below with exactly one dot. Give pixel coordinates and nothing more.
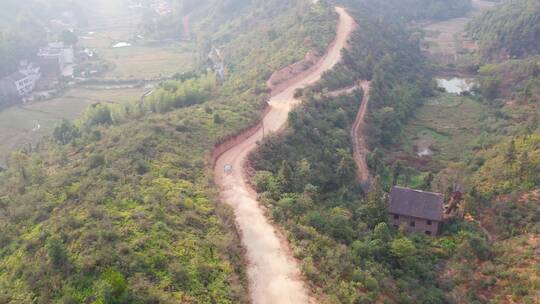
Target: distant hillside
(511, 30)
(419, 9)
(516, 80)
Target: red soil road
(360, 149)
(273, 273)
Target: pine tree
(285, 176)
(374, 209)
(346, 169)
(56, 251)
(428, 180)
(397, 169)
(510, 154)
(524, 166)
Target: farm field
(148, 62)
(115, 22)
(27, 124)
(110, 22)
(448, 128)
(443, 38)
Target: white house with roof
(30, 74)
(23, 81)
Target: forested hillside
(349, 252)
(503, 178)
(517, 80)
(118, 207)
(386, 53)
(307, 176)
(512, 30)
(408, 10)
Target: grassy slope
(508, 31)
(455, 126)
(126, 212)
(473, 142)
(17, 123)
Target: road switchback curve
(273, 273)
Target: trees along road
(273, 273)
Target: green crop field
(27, 124)
(145, 62)
(452, 127)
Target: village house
(56, 60)
(419, 211)
(23, 81)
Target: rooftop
(416, 203)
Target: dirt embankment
(273, 273)
(279, 79)
(236, 139)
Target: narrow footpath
(273, 273)
(360, 149)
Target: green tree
(403, 250)
(524, 165)
(285, 176)
(112, 288)
(346, 169)
(397, 170)
(374, 209)
(96, 160)
(218, 119)
(374, 161)
(427, 182)
(382, 232)
(97, 114)
(56, 251)
(66, 132)
(510, 153)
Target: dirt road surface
(274, 275)
(360, 150)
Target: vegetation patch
(456, 126)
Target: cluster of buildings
(53, 62)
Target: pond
(455, 85)
(121, 45)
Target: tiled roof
(416, 203)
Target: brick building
(419, 211)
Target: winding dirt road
(360, 150)
(274, 275)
